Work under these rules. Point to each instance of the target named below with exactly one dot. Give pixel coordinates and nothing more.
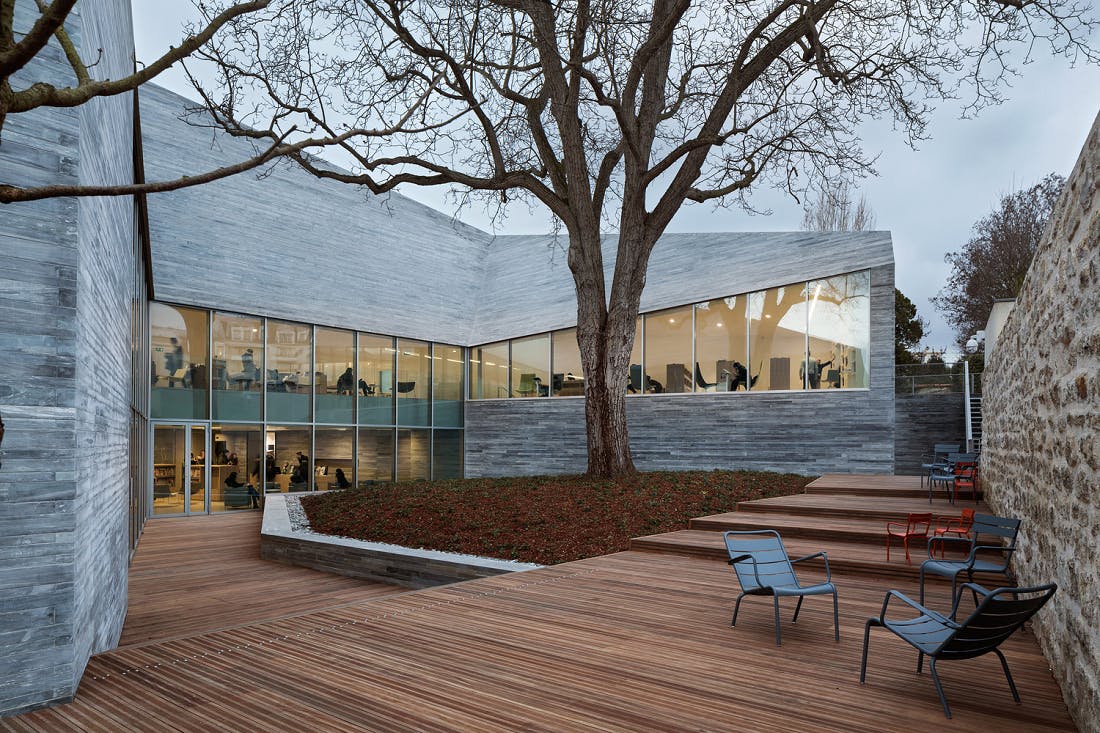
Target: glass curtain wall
(376, 364)
(288, 374)
(334, 462)
(170, 466)
(448, 367)
(530, 364)
(414, 386)
(375, 456)
(237, 467)
(839, 331)
(334, 376)
(721, 344)
(237, 367)
(413, 452)
(291, 449)
(567, 373)
(446, 454)
(180, 376)
(489, 371)
(777, 337)
(199, 461)
(668, 362)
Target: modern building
(187, 354)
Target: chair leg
(887, 545)
(736, 608)
(836, 618)
(939, 687)
(922, 584)
(777, 641)
(1008, 675)
(797, 609)
(906, 542)
(866, 643)
(920, 662)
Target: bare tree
(23, 88)
(995, 261)
(832, 211)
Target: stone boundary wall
(404, 566)
(1041, 452)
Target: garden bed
(538, 519)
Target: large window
(413, 453)
(567, 374)
(777, 337)
(236, 467)
(447, 372)
(289, 374)
(489, 371)
(375, 456)
(721, 344)
(237, 363)
(668, 350)
(447, 454)
(375, 385)
(334, 461)
(840, 331)
(334, 376)
(180, 367)
(290, 447)
(530, 362)
(414, 382)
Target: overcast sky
(927, 198)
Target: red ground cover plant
(540, 519)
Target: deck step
(867, 531)
(849, 557)
(872, 485)
(888, 509)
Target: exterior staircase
(975, 423)
(844, 515)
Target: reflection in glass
(375, 384)
(199, 459)
(237, 367)
(413, 454)
(375, 456)
(236, 468)
(530, 359)
(777, 337)
(447, 382)
(289, 376)
(334, 376)
(668, 350)
(334, 461)
(414, 382)
(180, 371)
(721, 345)
(489, 371)
(840, 331)
(566, 371)
(290, 447)
(170, 466)
(446, 454)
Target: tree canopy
(909, 329)
(995, 261)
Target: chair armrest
(935, 540)
(755, 570)
(974, 587)
(893, 524)
(913, 604)
(997, 548)
(824, 556)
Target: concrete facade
(1041, 442)
(65, 380)
(921, 421)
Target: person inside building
(232, 483)
(342, 480)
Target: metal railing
(935, 379)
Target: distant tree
(909, 329)
(994, 262)
(832, 210)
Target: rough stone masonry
(1041, 453)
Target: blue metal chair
(935, 460)
(984, 524)
(998, 615)
(763, 569)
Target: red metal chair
(966, 477)
(958, 526)
(916, 525)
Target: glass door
(200, 463)
(181, 467)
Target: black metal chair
(1003, 528)
(998, 615)
(935, 460)
(763, 569)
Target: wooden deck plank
(199, 574)
(631, 641)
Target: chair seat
(805, 590)
(951, 567)
(926, 632)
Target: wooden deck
(634, 641)
(198, 574)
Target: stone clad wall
(1041, 453)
